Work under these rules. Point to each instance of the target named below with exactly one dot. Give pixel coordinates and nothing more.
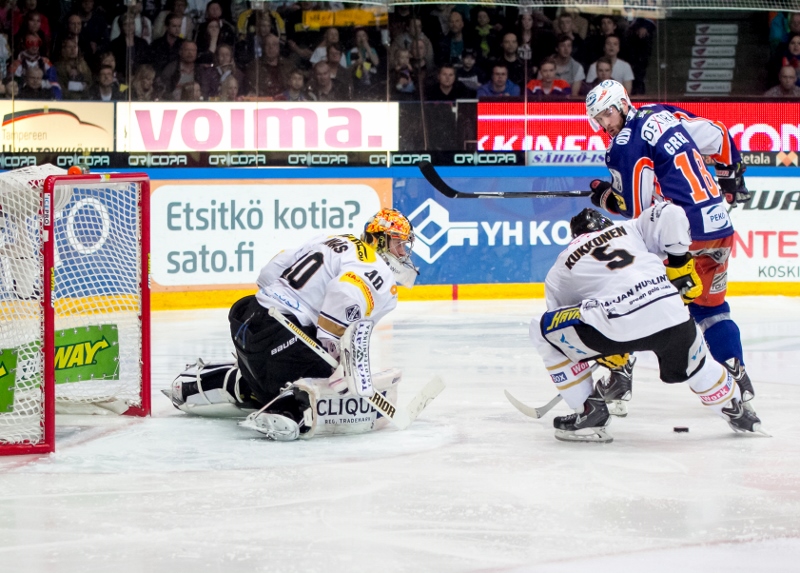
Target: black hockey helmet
(588, 221)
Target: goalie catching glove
(603, 196)
(731, 181)
(681, 273)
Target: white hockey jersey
(330, 282)
(617, 275)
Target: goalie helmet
(380, 231)
(608, 93)
(588, 221)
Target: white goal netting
(97, 280)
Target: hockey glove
(731, 181)
(681, 273)
(603, 196)
(613, 362)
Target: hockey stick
(438, 183)
(530, 411)
(400, 417)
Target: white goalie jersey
(618, 278)
(330, 282)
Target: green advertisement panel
(87, 353)
(8, 370)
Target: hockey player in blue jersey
(657, 153)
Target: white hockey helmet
(604, 95)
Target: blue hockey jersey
(658, 156)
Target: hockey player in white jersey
(322, 287)
(609, 294)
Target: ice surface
(471, 486)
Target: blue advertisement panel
(472, 241)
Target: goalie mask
(392, 236)
(605, 95)
(588, 221)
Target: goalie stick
(430, 174)
(400, 417)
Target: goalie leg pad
(210, 390)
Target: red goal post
(74, 300)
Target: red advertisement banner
(563, 126)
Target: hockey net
(74, 300)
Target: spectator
(166, 49)
(500, 84)
(32, 24)
(788, 84)
(364, 62)
(18, 16)
(181, 72)
(321, 51)
(142, 86)
(186, 26)
(212, 78)
(595, 43)
(6, 9)
(534, 43)
(105, 88)
(191, 92)
(548, 85)
(448, 89)
(518, 71)
(35, 87)
(781, 27)
(225, 33)
(322, 87)
(791, 56)
(455, 42)
(620, 69)
(9, 89)
(72, 29)
(229, 91)
(423, 75)
(639, 44)
(406, 40)
(143, 27)
(579, 24)
(339, 73)
(565, 24)
(469, 74)
(401, 78)
(252, 46)
(130, 51)
(267, 76)
(74, 74)
(299, 37)
(5, 56)
(486, 34)
(567, 68)
(603, 67)
(93, 27)
(296, 88)
(30, 58)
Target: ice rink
(471, 486)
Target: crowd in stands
(228, 50)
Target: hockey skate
(288, 417)
(742, 419)
(586, 426)
(616, 388)
(736, 369)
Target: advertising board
(563, 126)
(257, 126)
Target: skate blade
(758, 430)
(598, 435)
(617, 408)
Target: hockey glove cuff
(613, 362)
(603, 196)
(731, 181)
(681, 273)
